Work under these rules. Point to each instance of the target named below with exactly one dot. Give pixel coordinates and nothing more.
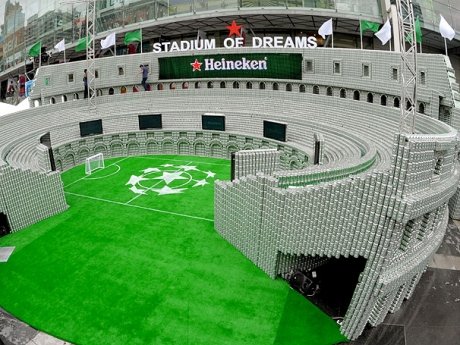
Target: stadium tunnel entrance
(329, 283)
(5, 228)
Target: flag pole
(332, 34)
(40, 57)
(141, 40)
(361, 34)
(420, 47)
(445, 45)
(64, 55)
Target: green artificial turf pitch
(136, 260)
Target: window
(236, 85)
(275, 86)
(47, 80)
(70, 78)
(52, 100)
(343, 93)
(408, 105)
(337, 67)
(366, 70)
(383, 100)
(329, 91)
(316, 89)
(197, 85)
(422, 77)
(63, 98)
(185, 85)
(121, 70)
(111, 91)
(370, 98)
(302, 88)
(123, 89)
(172, 86)
(394, 73)
(308, 66)
(262, 85)
(222, 84)
(396, 102)
(99, 92)
(96, 73)
(248, 85)
(288, 87)
(421, 108)
(160, 87)
(210, 85)
(356, 95)
(439, 157)
(75, 96)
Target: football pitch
(136, 260)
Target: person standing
(85, 82)
(145, 75)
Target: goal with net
(93, 163)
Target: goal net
(93, 163)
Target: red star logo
(196, 65)
(234, 29)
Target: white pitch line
(84, 177)
(141, 207)
(178, 160)
(148, 189)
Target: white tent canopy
(6, 108)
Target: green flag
(36, 49)
(81, 44)
(133, 36)
(372, 26)
(418, 32)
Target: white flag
(326, 29)
(108, 41)
(384, 34)
(446, 30)
(201, 35)
(60, 46)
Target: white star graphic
(200, 183)
(167, 165)
(135, 180)
(150, 170)
(210, 174)
(187, 167)
(166, 190)
(169, 177)
(134, 189)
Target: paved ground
(431, 316)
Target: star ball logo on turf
(169, 179)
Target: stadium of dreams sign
(237, 39)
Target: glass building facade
(24, 22)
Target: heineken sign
(257, 65)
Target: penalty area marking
(86, 177)
(111, 174)
(178, 160)
(141, 207)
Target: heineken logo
(229, 65)
(169, 179)
(236, 39)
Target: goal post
(93, 163)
